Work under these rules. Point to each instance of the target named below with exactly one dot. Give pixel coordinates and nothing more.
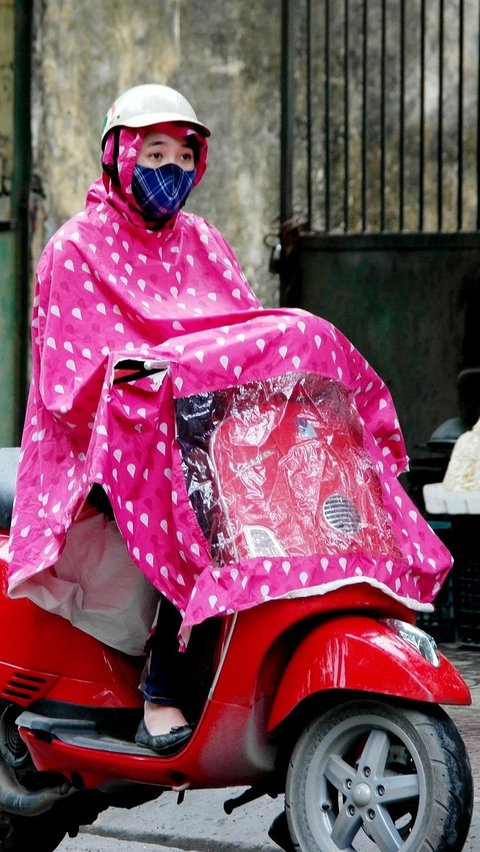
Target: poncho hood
(118, 166)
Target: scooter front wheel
(368, 776)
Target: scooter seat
(9, 459)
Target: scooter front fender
(357, 652)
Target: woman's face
(158, 149)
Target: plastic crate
(466, 578)
(467, 600)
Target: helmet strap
(112, 168)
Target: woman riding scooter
(154, 154)
(143, 321)
(130, 275)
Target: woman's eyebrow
(184, 142)
(154, 142)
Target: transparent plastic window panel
(278, 468)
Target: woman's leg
(162, 685)
(162, 682)
(164, 726)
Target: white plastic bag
(97, 587)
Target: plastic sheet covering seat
(9, 458)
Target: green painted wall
(6, 106)
(8, 339)
(8, 300)
(409, 304)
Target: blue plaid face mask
(161, 192)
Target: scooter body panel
(358, 653)
(270, 659)
(229, 747)
(43, 654)
(264, 638)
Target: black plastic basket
(467, 600)
(466, 578)
(440, 623)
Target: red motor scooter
(331, 699)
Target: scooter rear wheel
(18, 833)
(40, 833)
(372, 777)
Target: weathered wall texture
(6, 97)
(223, 55)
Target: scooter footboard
(369, 656)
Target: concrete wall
(223, 55)
(8, 306)
(6, 100)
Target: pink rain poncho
(215, 459)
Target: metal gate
(380, 197)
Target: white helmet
(151, 104)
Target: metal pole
(287, 112)
(441, 37)
(327, 115)
(309, 114)
(364, 113)
(383, 74)
(421, 165)
(401, 194)
(346, 121)
(460, 116)
(478, 126)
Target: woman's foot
(160, 719)
(164, 730)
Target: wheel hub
(360, 778)
(361, 795)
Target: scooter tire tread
(443, 827)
